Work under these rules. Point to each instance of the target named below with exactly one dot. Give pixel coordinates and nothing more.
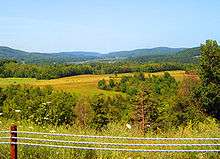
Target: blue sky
(107, 25)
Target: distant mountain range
(145, 52)
(77, 56)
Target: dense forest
(11, 68)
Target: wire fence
(104, 137)
(16, 138)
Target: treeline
(10, 68)
(13, 69)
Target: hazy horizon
(107, 26)
(64, 51)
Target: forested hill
(190, 55)
(75, 56)
(155, 54)
(145, 52)
(6, 52)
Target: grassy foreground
(81, 85)
(207, 129)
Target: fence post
(13, 147)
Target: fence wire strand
(53, 141)
(2, 138)
(105, 137)
(108, 144)
(105, 149)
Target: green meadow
(81, 84)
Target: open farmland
(82, 84)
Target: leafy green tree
(210, 62)
(111, 84)
(102, 84)
(209, 92)
(101, 109)
(41, 106)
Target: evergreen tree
(144, 108)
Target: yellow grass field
(81, 85)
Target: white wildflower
(52, 131)
(18, 111)
(128, 126)
(1, 114)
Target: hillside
(189, 55)
(157, 54)
(145, 52)
(6, 52)
(75, 56)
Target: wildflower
(1, 114)
(128, 126)
(46, 118)
(52, 131)
(17, 111)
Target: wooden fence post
(13, 147)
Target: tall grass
(209, 128)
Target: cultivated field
(81, 85)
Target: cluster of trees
(154, 99)
(127, 66)
(46, 106)
(209, 91)
(11, 68)
(162, 102)
(149, 103)
(41, 106)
